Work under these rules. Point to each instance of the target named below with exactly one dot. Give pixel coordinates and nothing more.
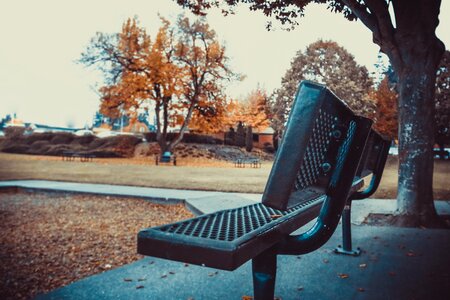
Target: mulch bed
(48, 240)
(375, 219)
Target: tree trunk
(416, 138)
(249, 139)
(414, 52)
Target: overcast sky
(41, 40)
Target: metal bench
(72, 155)
(325, 152)
(251, 162)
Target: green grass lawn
(216, 175)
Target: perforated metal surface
(231, 224)
(311, 168)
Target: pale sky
(42, 39)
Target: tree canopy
(180, 74)
(328, 63)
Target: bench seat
(225, 239)
(229, 238)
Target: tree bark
(415, 60)
(416, 139)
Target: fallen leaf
(171, 272)
(343, 275)
(247, 298)
(139, 287)
(163, 276)
(276, 216)
(127, 279)
(213, 273)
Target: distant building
(263, 138)
(124, 123)
(13, 121)
(40, 128)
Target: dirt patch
(52, 239)
(393, 220)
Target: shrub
(11, 132)
(56, 149)
(268, 148)
(62, 138)
(85, 139)
(45, 136)
(39, 147)
(15, 148)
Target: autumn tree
(253, 110)
(386, 119)
(408, 37)
(180, 74)
(328, 63)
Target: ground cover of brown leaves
(48, 240)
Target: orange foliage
(386, 109)
(252, 111)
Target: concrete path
(200, 202)
(396, 264)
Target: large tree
(180, 74)
(328, 63)
(407, 36)
(443, 102)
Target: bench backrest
(315, 144)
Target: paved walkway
(200, 202)
(396, 263)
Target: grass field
(190, 174)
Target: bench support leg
(346, 247)
(264, 268)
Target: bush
(15, 148)
(150, 136)
(39, 147)
(62, 138)
(85, 139)
(201, 139)
(45, 136)
(56, 149)
(12, 132)
(268, 148)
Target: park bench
(167, 158)
(251, 162)
(72, 155)
(318, 170)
